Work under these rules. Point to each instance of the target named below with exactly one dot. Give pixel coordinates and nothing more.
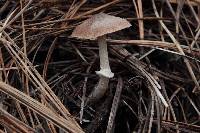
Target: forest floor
(47, 76)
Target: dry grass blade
(178, 47)
(36, 77)
(49, 75)
(18, 15)
(192, 2)
(15, 124)
(39, 108)
(150, 43)
(120, 52)
(115, 104)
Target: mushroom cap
(99, 25)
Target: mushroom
(97, 27)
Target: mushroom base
(100, 89)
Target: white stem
(103, 52)
(104, 73)
(104, 61)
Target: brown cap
(98, 25)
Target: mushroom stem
(105, 72)
(100, 89)
(104, 61)
(103, 52)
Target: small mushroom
(97, 27)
